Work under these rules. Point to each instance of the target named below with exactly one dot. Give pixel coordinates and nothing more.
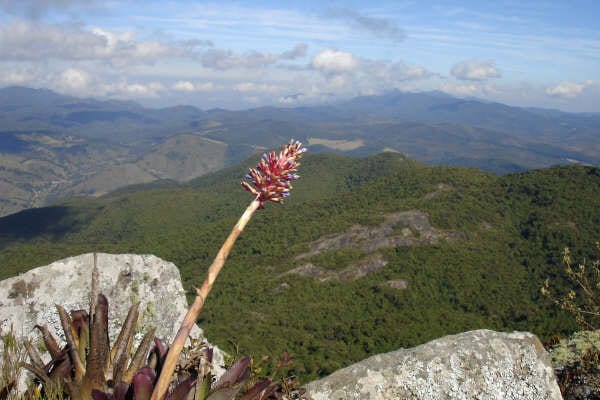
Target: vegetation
(577, 358)
(584, 299)
(13, 355)
(55, 146)
(512, 229)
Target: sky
(239, 55)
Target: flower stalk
(271, 181)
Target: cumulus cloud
(125, 89)
(220, 59)
(291, 99)
(568, 90)
(394, 72)
(334, 62)
(474, 70)
(245, 87)
(187, 86)
(9, 77)
(81, 82)
(461, 90)
(73, 80)
(377, 26)
(31, 41)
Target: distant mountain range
(54, 146)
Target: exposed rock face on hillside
(398, 229)
(356, 271)
(30, 298)
(480, 364)
(406, 228)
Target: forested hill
(54, 147)
(368, 255)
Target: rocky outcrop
(30, 298)
(405, 228)
(356, 271)
(480, 364)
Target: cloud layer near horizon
(239, 57)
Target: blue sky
(248, 54)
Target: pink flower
(271, 179)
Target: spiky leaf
(122, 347)
(99, 347)
(182, 389)
(81, 324)
(143, 384)
(231, 381)
(67, 325)
(256, 390)
(49, 340)
(139, 357)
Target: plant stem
(194, 311)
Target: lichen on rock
(480, 364)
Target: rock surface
(371, 263)
(30, 298)
(406, 228)
(478, 364)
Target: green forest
(512, 228)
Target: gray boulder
(30, 298)
(480, 364)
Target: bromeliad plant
(87, 362)
(270, 181)
(88, 368)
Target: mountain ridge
(54, 146)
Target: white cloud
(291, 99)
(187, 86)
(335, 62)
(184, 86)
(568, 90)
(10, 77)
(255, 87)
(461, 90)
(124, 89)
(473, 70)
(74, 81)
(393, 72)
(83, 83)
(30, 41)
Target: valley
(53, 146)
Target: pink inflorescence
(271, 179)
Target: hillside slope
(54, 146)
(368, 255)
